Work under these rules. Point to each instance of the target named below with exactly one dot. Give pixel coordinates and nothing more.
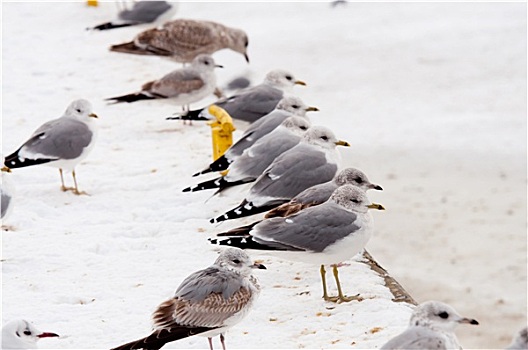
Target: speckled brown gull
(184, 39)
(208, 302)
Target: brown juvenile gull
(431, 326)
(61, 143)
(142, 12)
(329, 233)
(289, 106)
(183, 86)
(252, 103)
(20, 334)
(184, 39)
(255, 159)
(313, 161)
(208, 302)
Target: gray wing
(63, 138)
(145, 11)
(176, 83)
(417, 338)
(316, 194)
(257, 130)
(292, 172)
(251, 104)
(258, 157)
(312, 229)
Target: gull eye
(295, 106)
(303, 128)
(236, 261)
(27, 332)
(246, 43)
(289, 77)
(358, 180)
(355, 200)
(324, 138)
(78, 110)
(443, 315)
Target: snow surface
(431, 96)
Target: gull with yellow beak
(61, 143)
(313, 161)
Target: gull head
(295, 106)
(296, 125)
(205, 62)
(282, 80)
(355, 177)
(323, 137)
(80, 110)
(439, 316)
(237, 260)
(239, 42)
(354, 199)
(20, 334)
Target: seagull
(208, 302)
(183, 86)
(62, 142)
(325, 234)
(7, 193)
(313, 161)
(431, 326)
(20, 334)
(142, 12)
(287, 107)
(252, 103)
(255, 159)
(184, 39)
(520, 340)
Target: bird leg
(63, 187)
(210, 340)
(76, 189)
(340, 297)
(323, 278)
(222, 340)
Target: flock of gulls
(315, 211)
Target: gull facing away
(254, 160)
(253, 103)
(183, 86)
(313, 161)
(520, 340)
(61, 143)
(287, 107)
(184, 39)
(20, 334)
(208, 302)
(142, 12)
(329, 233)
(432, 326)
(7, 193)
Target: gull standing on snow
(255, 159)
(62, 142)
(287, 107)
(208, 302)
(20, 334)
(520, 340)
(432, 326)
(329, 233)
(183, 86)
(142, 12)
(313, 161)
(184, 39)
(253, 103)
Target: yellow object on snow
(92, 2)
(222, 131)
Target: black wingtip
(187, 189)
(110, 25)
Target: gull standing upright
(184, 39)
(325, 234)
(142, 12)
(20, 334)
(208, 302)
(255, 159)
(252, 103)
(287, 107)
(183, 86)
(61, 143)
(313, 161)
(431, 326)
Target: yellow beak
(93, 115)
(300, 82)
(376, 206)
(342, 143)
(6, 169)
(312, 109)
